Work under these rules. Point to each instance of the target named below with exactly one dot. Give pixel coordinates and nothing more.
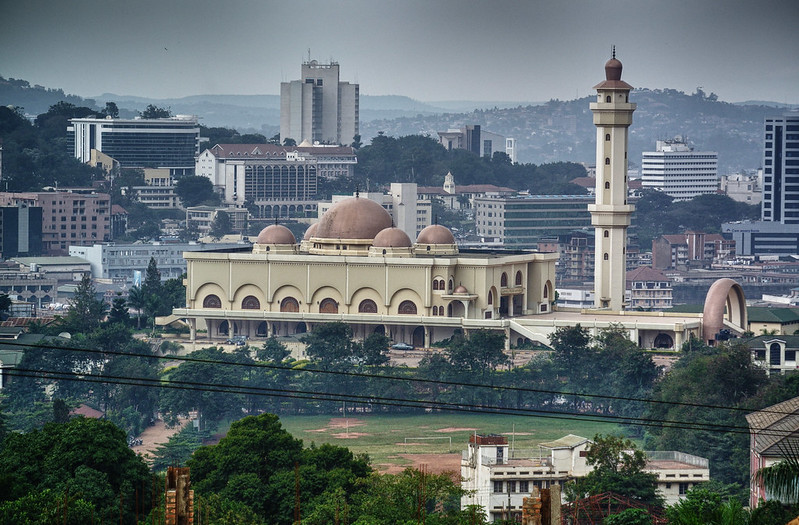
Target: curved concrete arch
(724, 301)
(245, 290)
(406, 294)
(287, 291)
(366, 293)
(208, 289)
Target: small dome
(613, 69)
(275, 234)
(353, 218)
(392, 238)
(435, 234)
(460, 289)
(310, 232)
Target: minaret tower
(610, 216)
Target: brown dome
(460, 289)
(275, 234)
(613, 69)
(392, 238)
(435, 234)
(310, 232)
(353, 218)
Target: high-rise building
(479, 141)
(319, 107)
(610, 215)
(138, 143)
(680, 172)
(777, 233)
(781, 170)
(20, 230)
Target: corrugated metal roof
(569, 441)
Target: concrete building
(200, 218)
(276, 181)
(33, 286)
(775, 353)
(649, 289)
(520, 221)
(743, 188)
(477, 140)
(777, 233)
(67, 218)
(497, 478)
(319, 107)
(610, 215)
(772, 432)
(457, 197)
(409, 212)
(171, 143)
(680, 172)
(119, 261)
(773, 320)
(20, 231)
(690, 250)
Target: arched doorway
(224, 328)
(418, 336)
(663, 341)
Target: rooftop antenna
(613, 51)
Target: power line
(399, 378)
(376, 400)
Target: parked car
(238, 340)
(402, 346)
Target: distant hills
(545, 131)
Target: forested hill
(549, 132)
(564, 130)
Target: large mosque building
(356, 267)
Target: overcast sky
(521, 50)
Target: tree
(83, 456)
(781, 480)
(85, 310)
(374, 350)
(119, 311)
(629, 517)
(5, 303)
(288, 141)
(221, 225)
(152, 111)
(331, 345)
(618, 467)
(273, 350)
(194, 190)
(137, 300)
(111, 110)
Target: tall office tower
(319, 107)
(781, 170)
(610, 216)
(172, 142)
(679, 171)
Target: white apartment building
(319, 107)
(679, 171)
(498, 479)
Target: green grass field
(383, 437)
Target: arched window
(518, 278)
(435, 310)
(607, 99)
(289, 304)
(775, 357)
(328, 306)
(224, 328)
(260, 331)
(607, 185)
(607, 161)
(450, 286)
(503, 280)
(212, 301)
(407, 308)
(490, 298)
(449, 310)
(367, 306)
(607, 234)
(606, 257)
(607, 136)
(546, 292)
(250, 303)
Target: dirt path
(156, 435)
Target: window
(503, 280)
(518, 278)
(367, 306)
(606, 257)
(250, 303)
(328, 306)
(606, 234)
(790, 355)
(407, 308)
(490, 298)
(212, 301)
(524, 486)
(511, 486)
(289, 304)
(607, 136)
(497, 486)
(607, 99)
(607, 185)
(684, 488)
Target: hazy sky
(425, 49)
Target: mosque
(356, 267)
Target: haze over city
(443, 50)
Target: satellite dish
(65, 335)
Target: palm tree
(781, 480)
(137, 300)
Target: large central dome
(353, 218)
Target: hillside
(549, 132)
